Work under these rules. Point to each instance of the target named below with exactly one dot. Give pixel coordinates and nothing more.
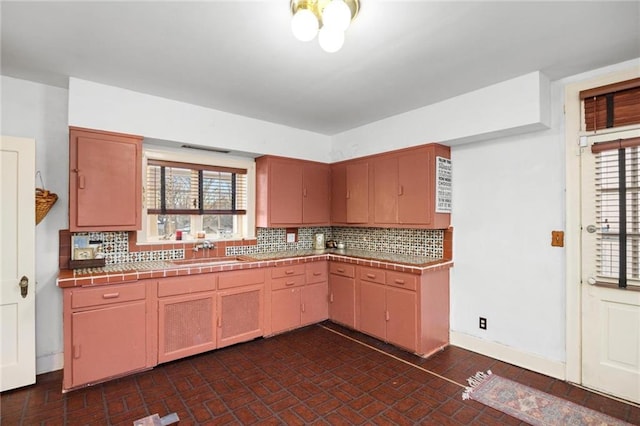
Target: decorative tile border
(119, 247)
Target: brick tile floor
(311, 376)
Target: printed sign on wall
(443, 185)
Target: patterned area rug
(531, 405)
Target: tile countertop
(127, 272)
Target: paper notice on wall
(443, 185)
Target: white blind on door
(614, 225)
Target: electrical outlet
(482, 323)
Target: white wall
(37, 111)
(98, 106)
(515, 106)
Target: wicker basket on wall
(44, 201)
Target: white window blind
(618, 213)
(182, 188)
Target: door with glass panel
(611, 263)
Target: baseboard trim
(51, 362)
(508, 354)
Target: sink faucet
(206, 244)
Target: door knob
(591, 229)
(24, 286)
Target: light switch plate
(557, 238)
(291, 237)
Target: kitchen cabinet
(107, 333)
(342, 293)
(186, 316)
(350, 193)
(407, 310)
(404, 188)
(292, 192)
(298, 295)
(315, 293)
(105, 181)
(240, 306)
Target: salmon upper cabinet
(404, 188)
(292, 192)
(105, 181)
(350, 193)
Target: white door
(17, 260)
(611, 314)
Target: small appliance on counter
(318, 241)
(331, 244)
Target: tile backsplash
(418, 242)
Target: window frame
(245, 223)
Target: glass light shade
(330, 39)
(336, 15)
(304, 25)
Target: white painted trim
(509, 354)
(50, 362)
(573, 125)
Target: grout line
(394, 357)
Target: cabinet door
(386, 190)
(342, 293)
(339, 193)
(358, 193)
(105, 182)
(315, 303)
(316, 198)
(186, 325)
(285, 192)
(240, 314)
(285, 309)
(415, 202)
(372, 309)
(402, 308)
(108, 342)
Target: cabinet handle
(111, 295)
(76, 351)
(331, 298)
(348, 194)
(399, 281)
(400, 190)
(340, 269)
(81, 181)
(289, 272)
(315, 274)
(302, 307)
(371, 276)
(304, 192)
(386, 315)
(219, 322)
(288, 283)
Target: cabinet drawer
(107, 294)
(342, 269)
(316, 272)
(398, 279)
(287, 271)
(372, 274)
(186, 285)
(287, 282)
(240, 278)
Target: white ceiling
(240, 56)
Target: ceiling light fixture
(327, 18)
